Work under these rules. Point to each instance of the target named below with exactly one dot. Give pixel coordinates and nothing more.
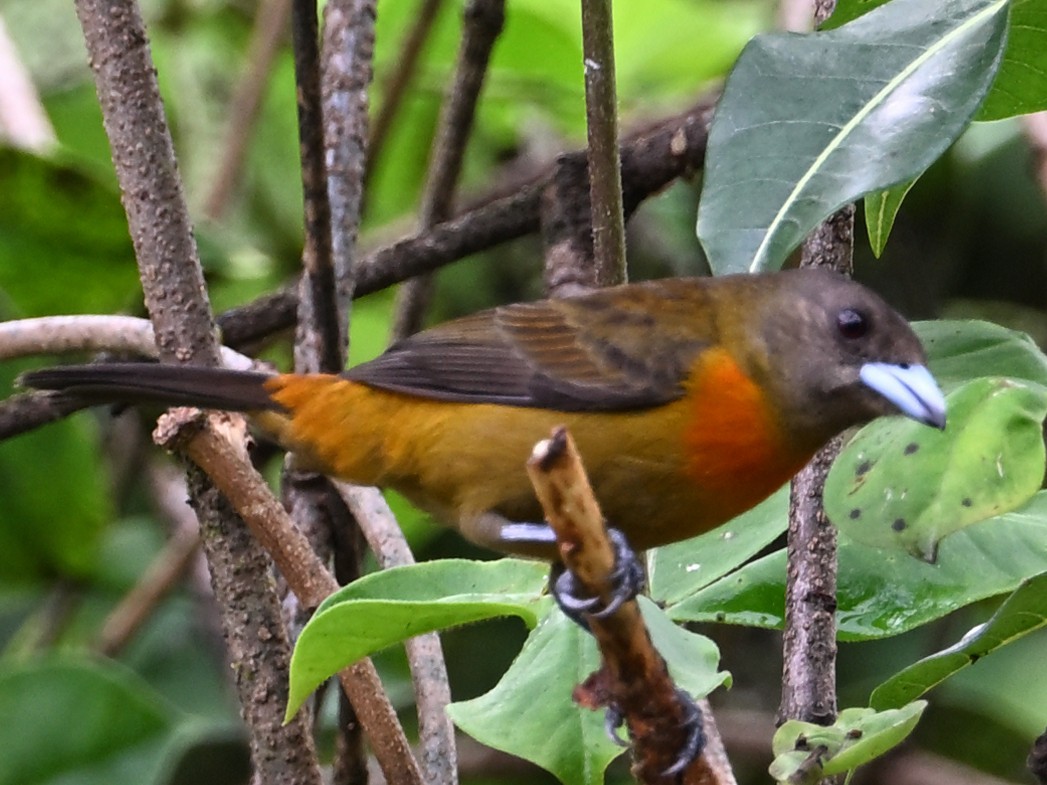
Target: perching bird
(691, 400)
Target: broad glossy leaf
(809, 123)
(553, 732)
(884, 593)
(530, 713)
(1023, 612)
(79, 721)
(805, 753)
(1021, 83)
(962, 350)
(392, 605)
(899, 484)
(678, 570)
(881, 208)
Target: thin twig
(601, 112)
(347, 66)
(318, 339)
(651, 158)
(90, 333)
(483, 24)
(395, 87)
(269, 32)
(158, 580)
(438, 753)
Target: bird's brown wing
(598, 352)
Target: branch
(809, 672)
(268, 33)
(601, 110)
(347, 68)
(651, 159)
(213, 443)
(395, 87)
(633, 676)
(425, 657)
(318, 338)
(150, 188)
(483, 24)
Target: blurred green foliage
(72, 543)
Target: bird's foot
(627, 579)
(692, 722)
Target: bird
(690, 399)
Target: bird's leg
(538, 539)
(627, 580)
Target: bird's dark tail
(171, 385)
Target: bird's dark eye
(851, 324)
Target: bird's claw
(692, 747)
(695, 743)
(627, 580)
(612, 721)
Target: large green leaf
(809, 123)
(553, 732)
(1021, 83)
(77, 721)
(1023, 612)
(962, 350)
(884, 593)
(392, 605)
(678, 570)
(900, 484)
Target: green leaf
(805, 753)
(80, 722)
(809, 123)
(881, 208)
(884, 593)
(679, 570)
(553, 732)
(1023, 612)
(64, 243)
(1021, 84)
(530, 713)
(899, 484)
(55, 497)
(962, 350)
(392, 605)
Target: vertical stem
(809, 678)
(605, 178)
(317, 341)
(173, 285)
(483, 24)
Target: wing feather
(597, 352)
